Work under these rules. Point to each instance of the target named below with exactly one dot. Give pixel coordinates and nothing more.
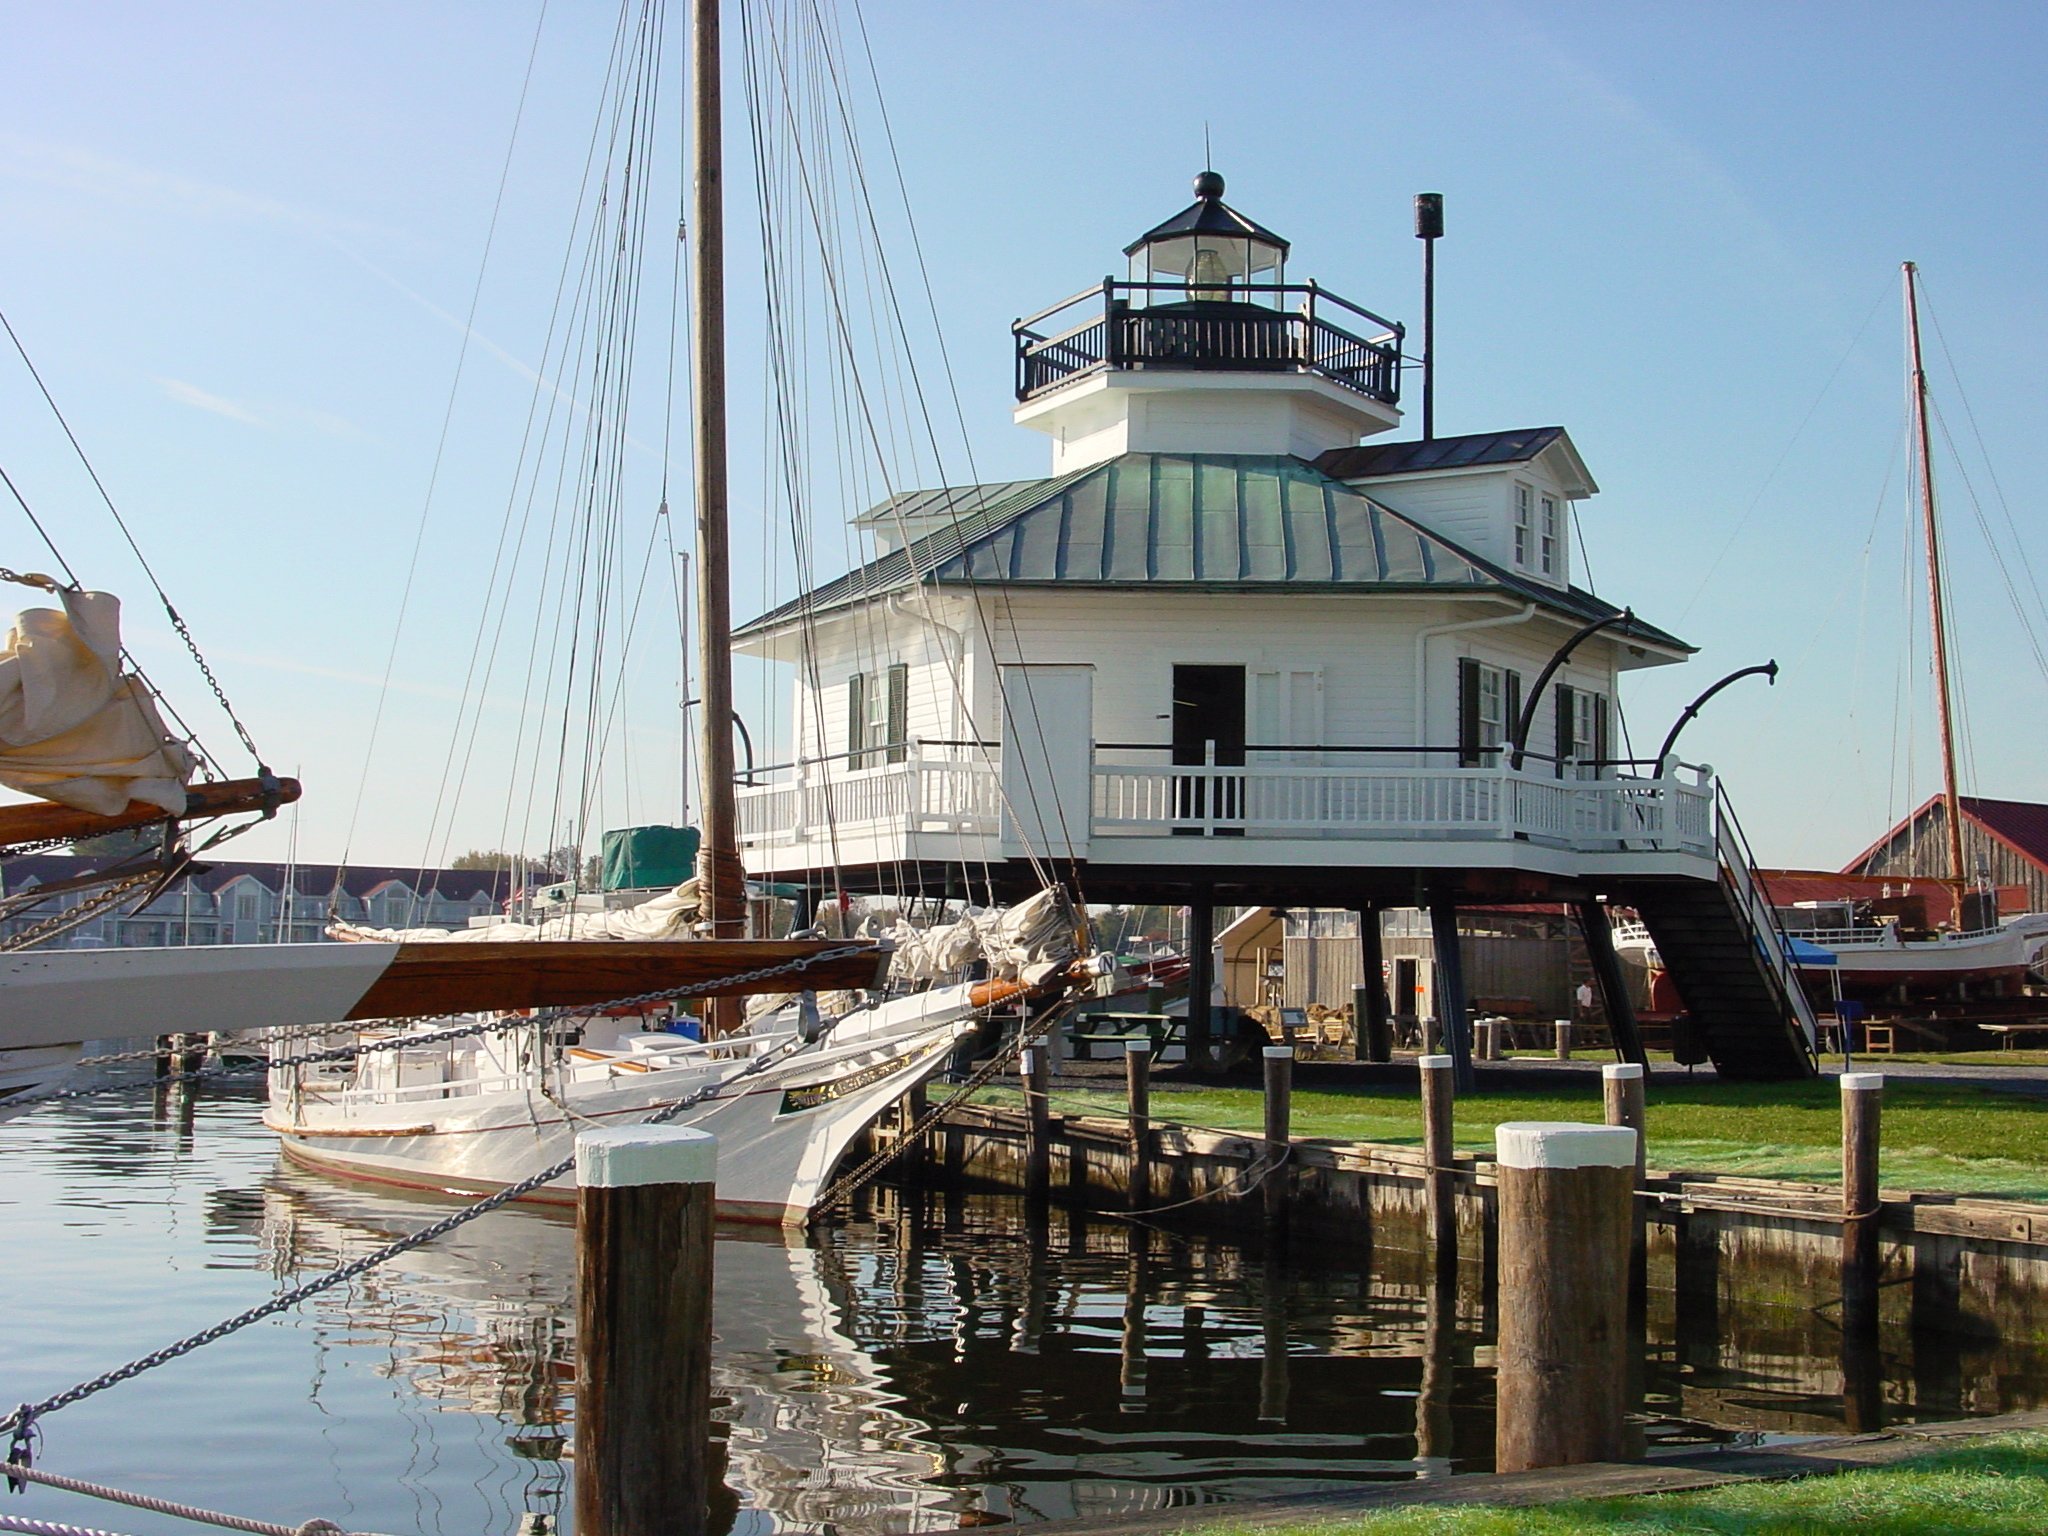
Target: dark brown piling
(1279, 1061)
(1439, 1092)
(645, 1210)
(1862, 1102)
(1565, 1200)
(1562, 1028)
(1034, 1069)
(1138, 1086)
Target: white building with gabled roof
(1237, 648)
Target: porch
(1110, 804)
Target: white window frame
(1524, 515)
(1494, 725)
(1550, 543)
(1585, 742)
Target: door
(1208, 728)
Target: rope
(48, 1527)
(21, 1471)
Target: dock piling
(1621, 1089)
(645, 1211)
(1862, 1103)
(1279, 1061)
(1033, 1067)
(1563, 1029)
(1439, 1093)
(1565, 1206)
(1138, 1087)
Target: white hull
(780, 1130)
(33, 1069)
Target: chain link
(75, 917)
(206, 671)
(29, 1413)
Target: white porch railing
(937, 790)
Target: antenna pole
(1953, 804)
(1429, 227)
(723, 876)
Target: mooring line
(193, 1512)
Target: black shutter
(1511, 708)
(1564, 726)
(1468, 712)
(899, 712)
(856, 719)
(1600, 729)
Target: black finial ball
(1209, 185)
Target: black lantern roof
(1207, 215)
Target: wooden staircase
(1722, 947)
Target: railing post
(645, 1209)
(1210, 787)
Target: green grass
(1936, 1136)
(1996, 1487)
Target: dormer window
(1525, 501)
(1551, 542)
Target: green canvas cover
(636, 858)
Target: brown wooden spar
(436, 978)
(42, 821)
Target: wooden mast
(1953, 812)
(724, 877)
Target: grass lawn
(1997, 1487)
(1935, 1136)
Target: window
(878, 717)
(245, 907)
(1552, 544)
(1287, 711)
(1489, 707)
(1524, 498)
(1581, 726)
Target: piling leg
(1138, 1086)
(1131, 1349)
(1562, 1028)
(1439, 1092)
(1565, 1200)
(1614, 999)
(1433, 1399)
(1372, 1034)
(1862, 1100)
(909, 1111)
(645, 1208)
(1033, 1069)
(1201, 981)
(1273, 1346)
(1621, 1090)
(1486, 1040)
(1279, 1060)
(1455, 1032)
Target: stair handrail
(1781, 969)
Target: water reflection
(929, 1364)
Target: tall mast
(725, 896)
(1952, 800)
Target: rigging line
(1749, 511)
(839, 315)
(127, 656)
(1001, 595)
(474, 691)
(178, 624)
(440, 447)
(1970, 414)
(1998, 559)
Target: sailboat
(787, 1087)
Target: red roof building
(2004, 841)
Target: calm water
(913, 1369)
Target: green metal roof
(1188, 522)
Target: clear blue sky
(237, 238)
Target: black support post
(1201, 978)
(1371, 1031)
(1621, 1013)
(1453, 1023)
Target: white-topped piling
(1566, 1197)
(645, 1211)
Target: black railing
(1131, 328)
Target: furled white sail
(74, 728)
(668, 916)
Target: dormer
(1205, 347)
(1506, 496)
